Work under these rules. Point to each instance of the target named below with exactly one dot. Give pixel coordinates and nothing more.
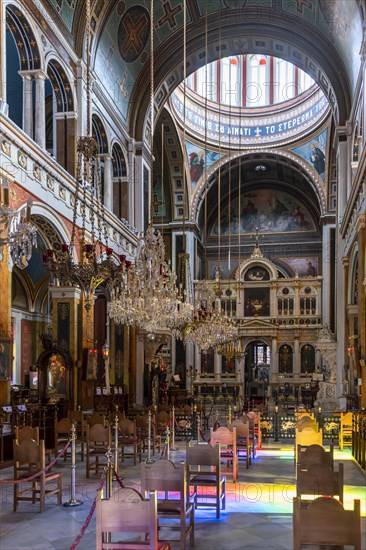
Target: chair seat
(205, 479)
(172, 507)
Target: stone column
(296, 359)
(66, 141)
(27, 102)
(141, 190)
(326, 291)
(131, 176)
(40, 109)
(217, 366)
(108, 179)
(274, 358)
(3, 100)
(81, 98)
(66, 303)
(361, 342)
(197, 363)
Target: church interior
(182, 272)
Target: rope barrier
(87, 521)
(37, 474)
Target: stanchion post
(276, 424)
(73, 501)
(167, 442)
(229, 414)
(195, 427)
(116, 426)
(149, 459)
(173, 447)
(108, 475)
(198, 429)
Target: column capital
(33, 74)
(66, 114)
(105, 156)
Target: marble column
(141, 190)
(66, 141)
(131, 175)
(217, 366)
(3, 100)
(27, 102)
(274, 358)
(296, 359)
(108, 179)
(40, 109)
(341, 286)
(197, 363)
(326, 290)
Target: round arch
(60, 81)
(21, 28)
(270, 34)
(100, 134)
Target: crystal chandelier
(90, 271)
(146, 293)
(16, 230)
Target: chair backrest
(98, 434)
(127, 427)
(63, 426)
(306, 422)
(163, 475)
(163, 419)
(203, 454)
(96, 418)
(224, 436)
(325, 522)
(242, 428)
(27, 432)
(29, 452)
(320, 480)
(127, 512)
(309, 436)
(314, 454)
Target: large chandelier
(146, 294)
(89, 272)
(17, 232)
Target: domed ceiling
(323, 37)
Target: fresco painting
(270, 210)
(196, 160)
(314, 152)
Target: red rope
(87, 521)
(30, 478)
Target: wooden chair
(163, 476)
(306, 437)
(142, 425)
(204, 470)
(28, 432)
(325, 522)
(29, 458)
(98, 441)
(255, 426)
(126, 512)
(320, 480)
(306, 422)
(228, 452)
(314, 454)
(130, 443)
(345, 430)
(244, 442)
(96, 418)
(62, 435)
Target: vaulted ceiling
(323, 37)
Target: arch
(353, 290)
(61, 86)
(300, 165)
(307, 354)
(285, 359)
(100, 134)
(270, 35)
(25, 39)
(120, 183)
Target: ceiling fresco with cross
(330, 28)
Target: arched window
(257, 92)
(120, 183)
(307, 358)
(231, 81)
(285, 359)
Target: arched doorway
(256, 373)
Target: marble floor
(258, 512)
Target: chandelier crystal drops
(209, 327)
(17, 232)
(146, 294)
